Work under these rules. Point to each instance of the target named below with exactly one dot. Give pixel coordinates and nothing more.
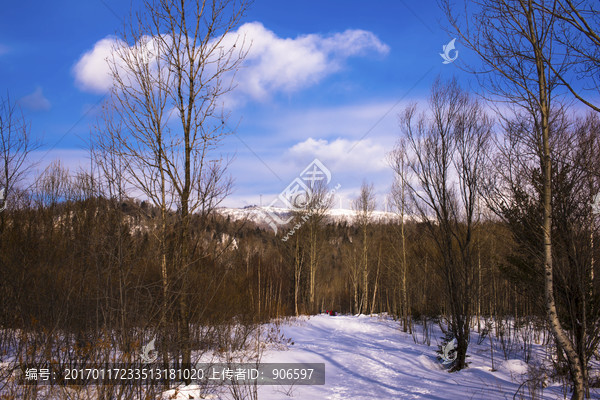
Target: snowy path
(370, 358)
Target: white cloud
(92, 72)
(35, 101)
(343, 154)
(273, 64)
(350, 162)
(353, 42)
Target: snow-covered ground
(368, 357)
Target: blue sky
(323, 80)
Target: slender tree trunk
(185, 338)
(478, 276)
(404, 264)
(561, 336)
(313, 263)
(356, 305)
(376, 281)
(163, 251)
(365, 276)
(591, 274)
(297, 275)
(258, 295)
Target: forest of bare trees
(493, 198)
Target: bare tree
(15, 147)
(364, 205)
(352, 264)
(578, 31)
(513, 192)
(128, 149)
(173, 65)
(445, 155)
(516, 42)
(398, 161)
(298, 266)
(318, 204)
(309, 213)
(52, 187)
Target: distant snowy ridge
(260, 215)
